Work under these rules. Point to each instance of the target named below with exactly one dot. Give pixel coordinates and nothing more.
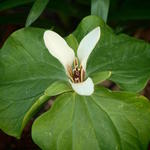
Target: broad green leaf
(26, 70)
(99, 77)
(127, 58)
(57, 88)
(104, 121)
(36, 10)
(6, 4)
(100, 8)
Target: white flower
(58, 48)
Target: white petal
(87, 44)
(58, 48)
(84, 88)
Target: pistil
(77, 73)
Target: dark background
(128, 16)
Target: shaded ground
(25, 143)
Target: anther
(82, 74)
(70, 74)
(75, 63)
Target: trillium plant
(38, 65)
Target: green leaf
(36, 10)
(56, 88)
(26, 70)
(72, 42)
(32, 110)
(79, 122)
(99, 77)
(100, 8)
(13, 3)
(127, 58)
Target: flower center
(76, 74)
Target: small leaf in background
(100, 8)
(36, 10)
(72, 42)
(6, 4)
(91, 122)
